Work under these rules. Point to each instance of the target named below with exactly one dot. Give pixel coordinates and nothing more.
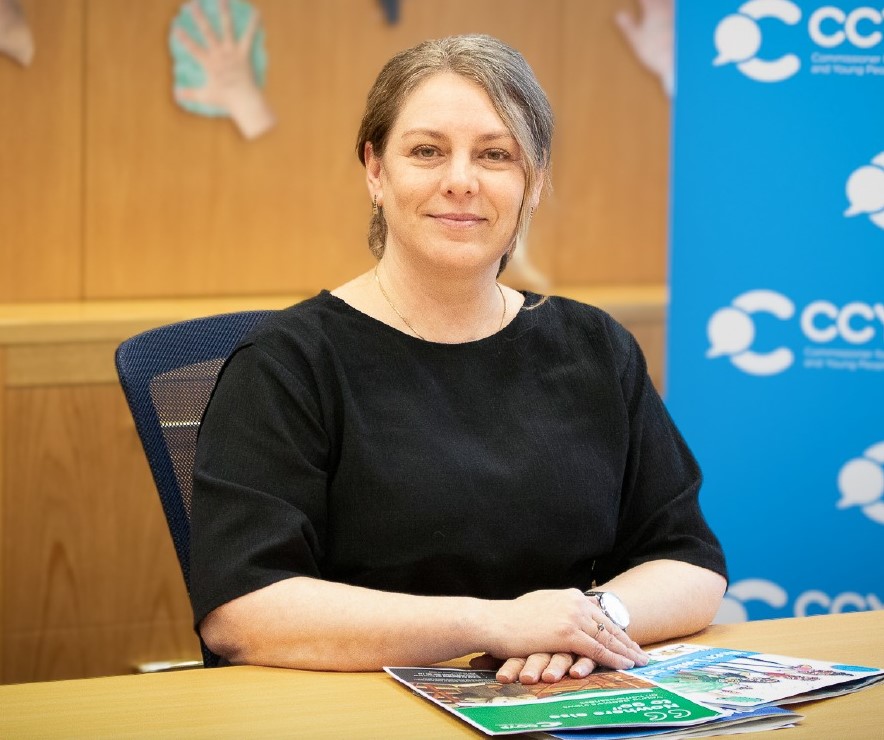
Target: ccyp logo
(731, 332)
(733, 605)
(738, 40)
(861, 483)
(830, 26)
(741, 594)
(865, 191)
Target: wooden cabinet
(89, 581)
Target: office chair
(168, 375)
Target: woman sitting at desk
(423, 463)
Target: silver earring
(374, 205)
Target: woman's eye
(424, 152)
(497, 155)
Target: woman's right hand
(545, 634)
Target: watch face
(615, 609)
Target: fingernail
(579, 671)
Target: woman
(422, 463)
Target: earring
(374, 205)
(531, 213)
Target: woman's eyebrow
(432, 133)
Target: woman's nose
(460, 176)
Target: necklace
(408, 323)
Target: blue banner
(775, 357)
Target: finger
(635, 650)
(202, 23)
(226, 23)
(534, 667)
(189, 43)
(509, 671)
(248, 34)
(617, 640)
(588, 644)
(626, 22)
(582, 668)
(558, 666)
(614, 639)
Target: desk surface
(267, 702)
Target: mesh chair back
(168, 375)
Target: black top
(338, 447)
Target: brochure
(739, 678)
(685, 691)
(737, 723)
(604, 699)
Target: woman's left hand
(546, 667)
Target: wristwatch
(613, 608)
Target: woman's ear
(372, 170)
(537, 190)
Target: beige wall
(109, 190)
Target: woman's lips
(460, 220)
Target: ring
(601, 629)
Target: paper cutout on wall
(391, 10)
(16, 40)
(220, 63)
(652, 38)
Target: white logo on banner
(738, 39)
(865, 191)
(731, 332)
(854, 326)
(861, 483)
(733, 605)
(844, 27)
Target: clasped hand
(545, 635)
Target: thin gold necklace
(408, 323)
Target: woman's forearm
(319, 625)
(667, 598)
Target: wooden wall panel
(180, 205)
(611, 167)
(97, 583)
(40, 159)
(109, 190)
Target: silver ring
(601, 629)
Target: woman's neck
(449, 306)
(445, 306)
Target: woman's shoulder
(300, 321)
(302, 330)
(569, 314)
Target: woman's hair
(503, 74)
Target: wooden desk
(267, 702)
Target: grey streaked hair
(504, 75)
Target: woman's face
(451, 180)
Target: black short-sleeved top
(338, 447)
